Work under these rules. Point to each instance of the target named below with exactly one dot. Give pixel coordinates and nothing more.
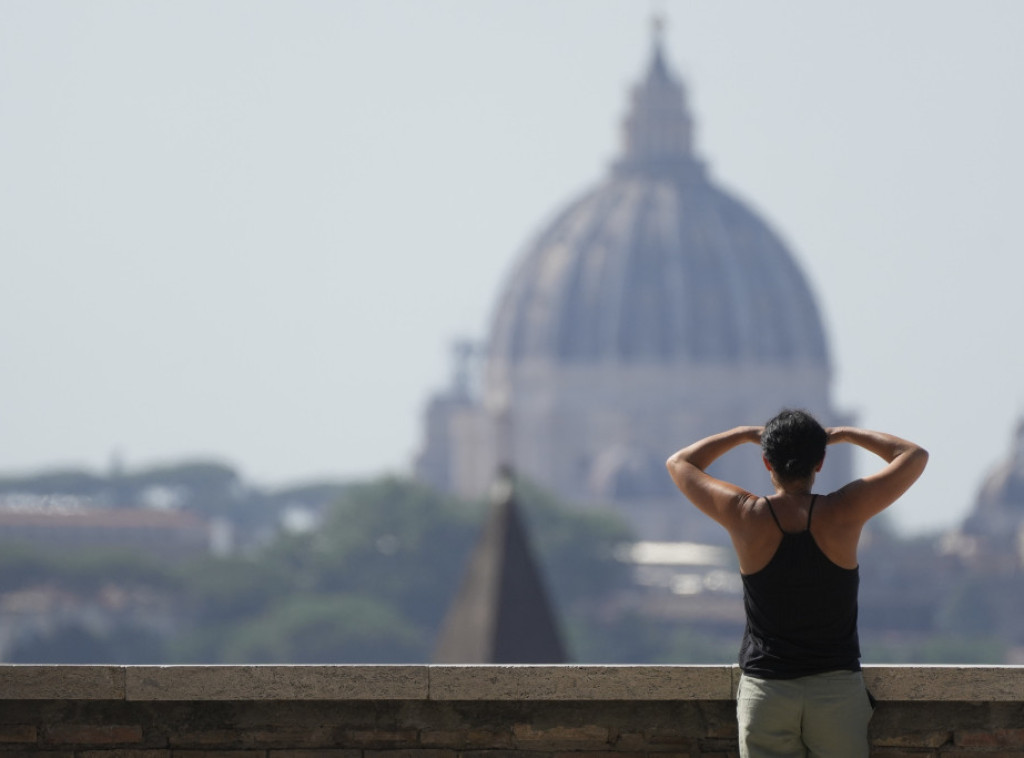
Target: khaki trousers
(818, 716)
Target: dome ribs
(654, 270)
(588, 313)
(657, 265)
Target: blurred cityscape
(188, 563)
(654, 309)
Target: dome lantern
(657, 132)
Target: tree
(398, 542)
(327, 629)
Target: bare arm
(905, 461)
(720, 500)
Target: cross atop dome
(658, 24)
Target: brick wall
(465, 711)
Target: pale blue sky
(250, 230)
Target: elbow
(676, 465)
(917, 457)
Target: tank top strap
(774, 517)
(810, 512)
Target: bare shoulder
(751, 515)
(840, 516)
(838, 506)
(836, 526)
(753, 506)
(755, 538)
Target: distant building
(653, 310)
(993, 531)
(165, 534)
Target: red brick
(634, 742)
(91, 734)
(414, 753)
(935, 738)
(315, 753)
(723, 730)
(499, 753)
(719, 749)
(376, 738)
(17, 733)
(223, 737)
(990, 738)
(527, 735)
(669, 738)
(466, 738)
(294, 737)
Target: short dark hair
(794, 444)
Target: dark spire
(657, 131)
(501, 613)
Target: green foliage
(208, 488)
(56, 483)
(320, 493)
(205, 487)
(82, 571)
(625, 638)
(969, 609)
(76, 645)
(574, 548)
(396, 541)
(375, 580)
(226, 590)
(327, 629)
(198, 476)
(371, 584)
(636, 638)
(965, 650)
(698, 647)
(391, 516)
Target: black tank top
(801, 611)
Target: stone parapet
(419, 711)
(470, 682)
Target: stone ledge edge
(469, 682)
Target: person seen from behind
(801, 692)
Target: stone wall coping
(470, 682)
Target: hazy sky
(250, 230)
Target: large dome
(651, 311)
(999, 508)
(657, 265)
